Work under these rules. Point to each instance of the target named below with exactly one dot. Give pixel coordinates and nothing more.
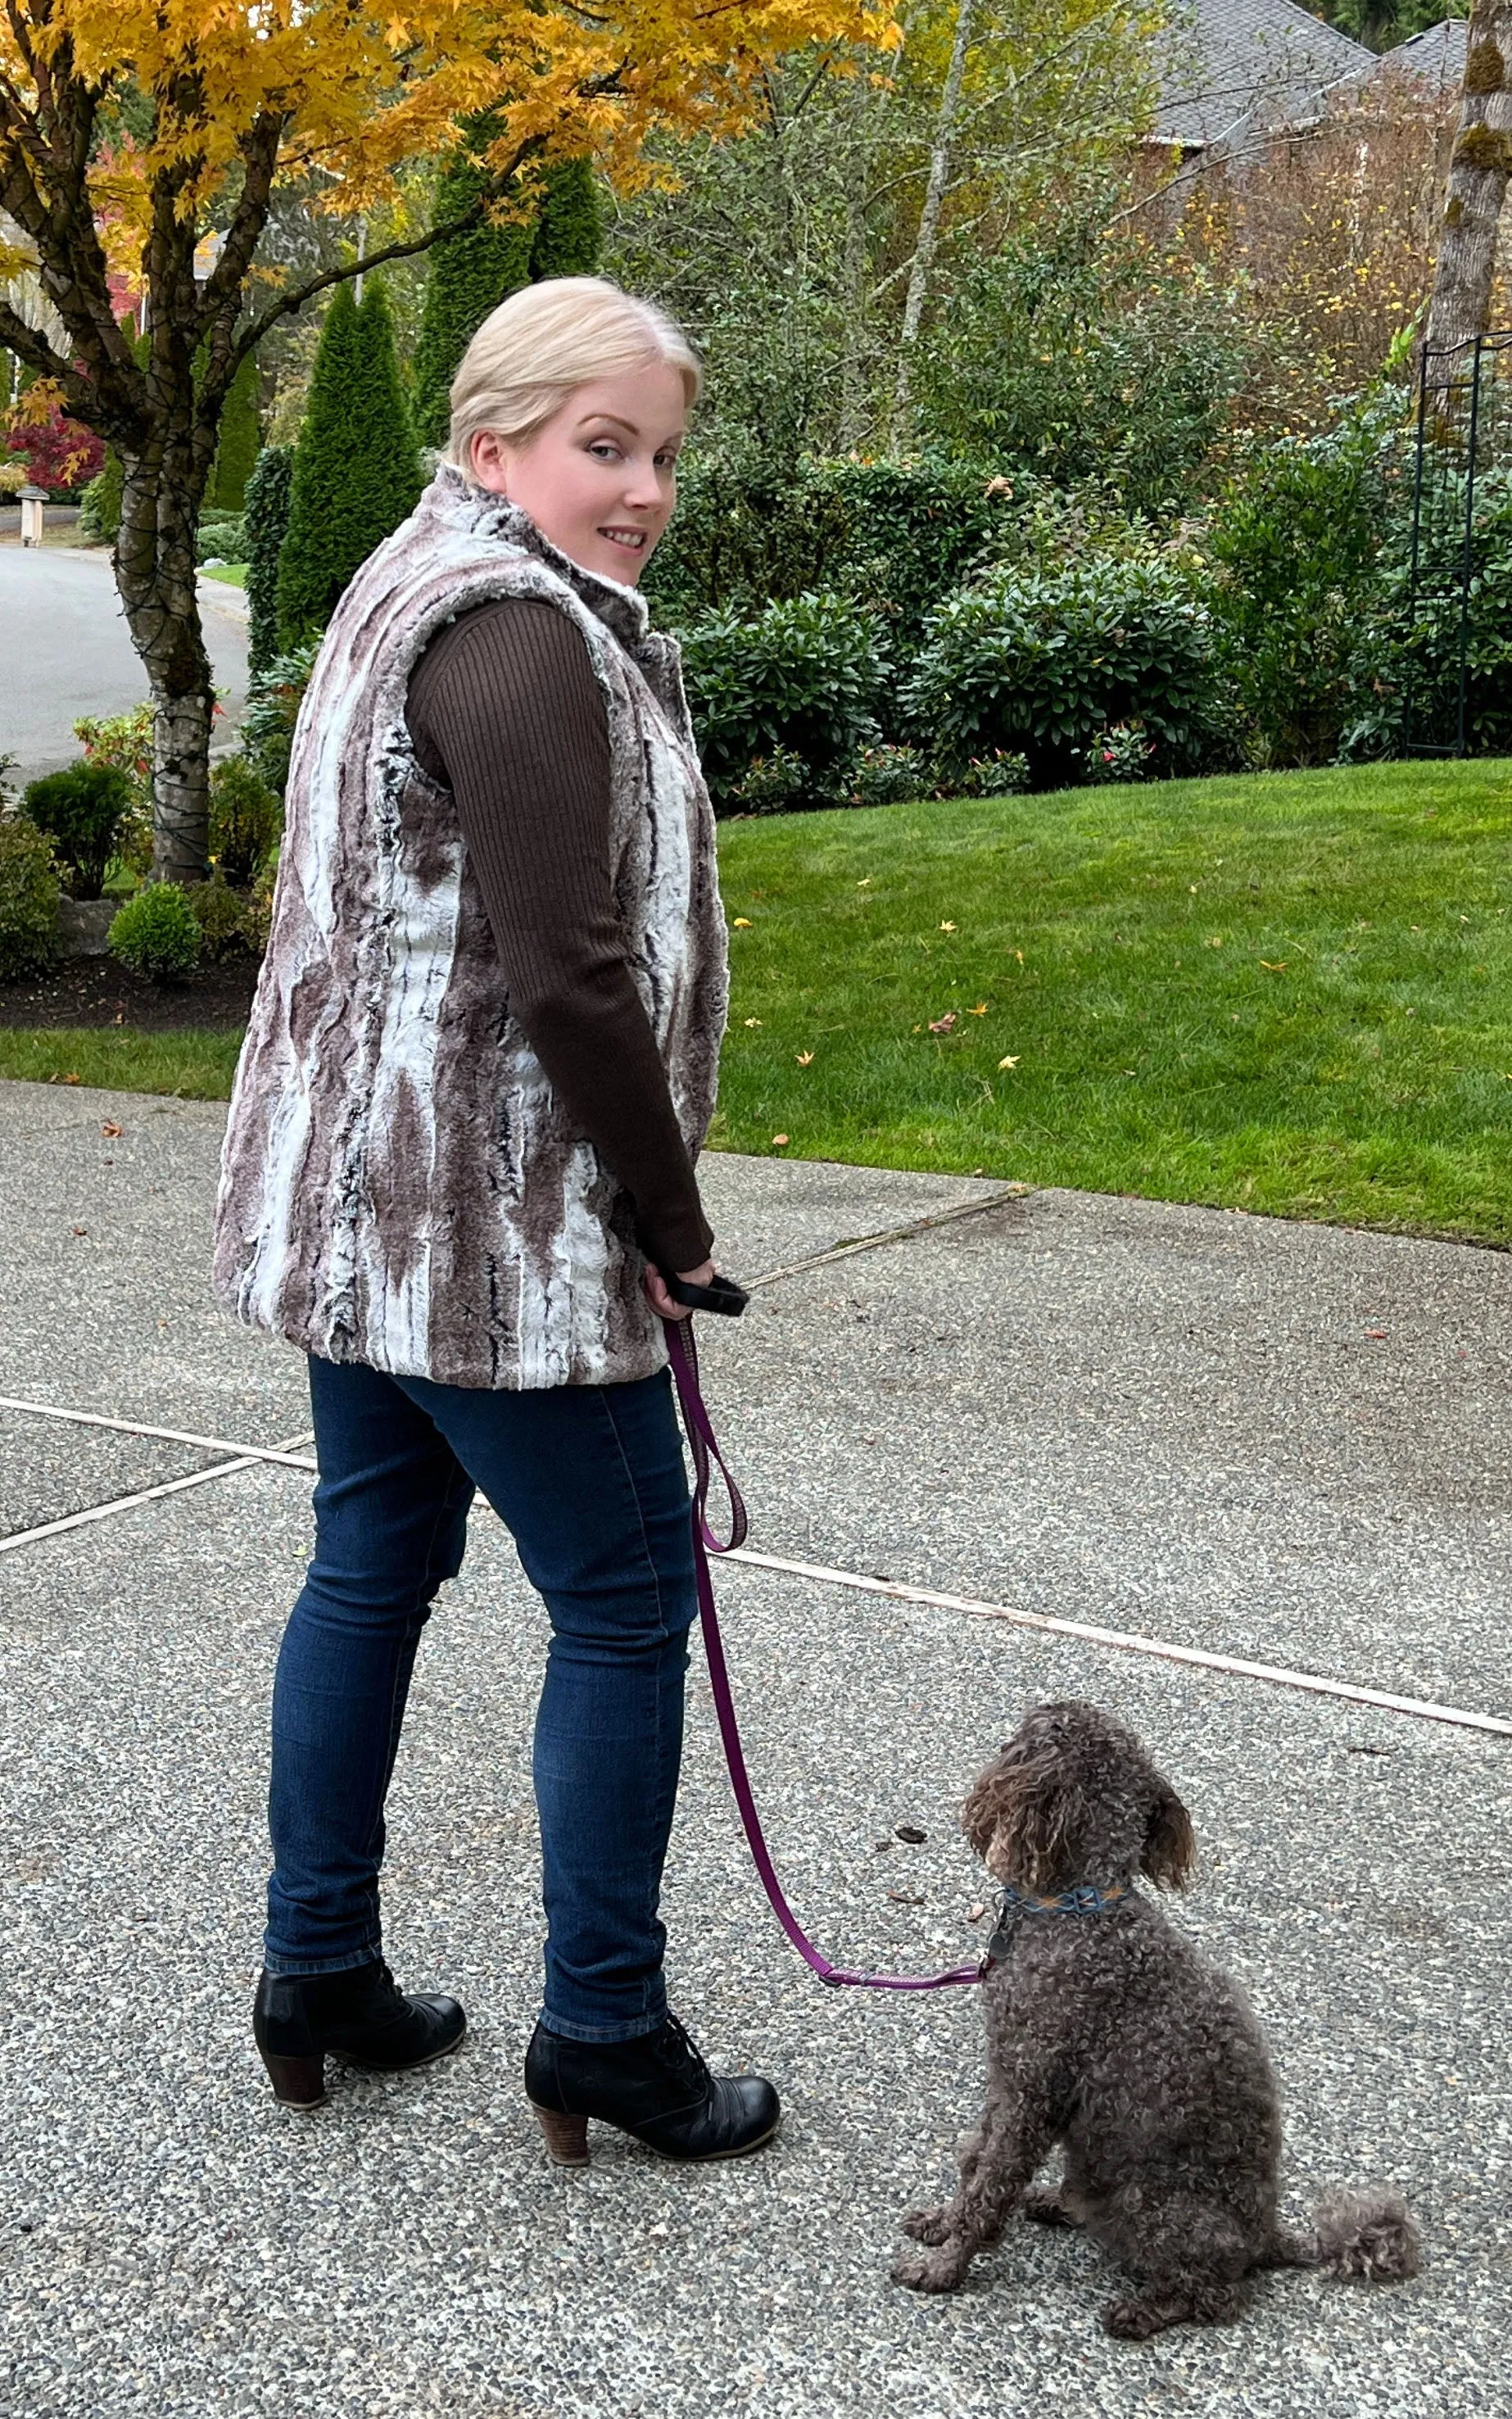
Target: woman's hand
(661, 1300)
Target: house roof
(1231, 67)
(1434, 56)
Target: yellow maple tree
(131, 129)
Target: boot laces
(683, 2056)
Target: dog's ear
(1171, 1842)
(1022, 1816)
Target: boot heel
(298, 2082)
(566, 2137)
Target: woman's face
(600, 479)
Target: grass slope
(1289, 994)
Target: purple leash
(707, 1454)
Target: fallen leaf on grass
(1216, 943)
(944, 1024)
(1275, 966)
(865, 883)
(112, 1133)
(777, 1141)
(751, 1021)
(741, 924)
(1007, 1062)
(806, 1057)
(950, 927)
(981, 1009)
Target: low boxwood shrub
(1004, 774)
(804, 676)
(246, 819)
(29, 893)
(83, 812)
(770, 785)
(222, 538)
(1042, 662)
(886, 775)
(221, 915)
(156, 934)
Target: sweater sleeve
(504, 708)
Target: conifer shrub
(470, 274)
(83, 809)
(266, 522)
(569, 232)
(157, 934)
(235, 444)
(29, 893)
(356, 466)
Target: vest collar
(622, 610)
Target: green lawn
(189, 1066)
(234, 574)
(1290, 994)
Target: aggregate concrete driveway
(65, 652)
(1282, 1443)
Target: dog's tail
(1368, 2235)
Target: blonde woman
(480, 1065)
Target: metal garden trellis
(1464, 432)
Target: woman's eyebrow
(611, 419)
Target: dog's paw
(1131, 2321)
(1044, 2206)
(926, 2272)
(929, 2224)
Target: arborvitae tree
(568, 236)
(236, 449)
(267, 509)
(356, 467)
(470, 276)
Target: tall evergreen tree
(356, 467)
(569, 233)
(267, 507)
(236, 448)
(470, 276)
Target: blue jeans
(590, 1480)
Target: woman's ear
(490, 462)
(1171, 1842)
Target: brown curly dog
(1108, 2034)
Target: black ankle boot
(656, 2086)
(359, 2014)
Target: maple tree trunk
(155, 574)
(1479, 166)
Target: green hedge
(29, 893)
(266, 524)
(1046, 663)
(898, 536)
(802, 680)
(356, 466)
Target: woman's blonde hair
(545, 341)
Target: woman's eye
(607, 452)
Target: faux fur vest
(400, 1185)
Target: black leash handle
(723, 1295)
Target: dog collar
(1085, 1899)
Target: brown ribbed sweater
(504, 708)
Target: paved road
(1284, 1441)
(66, 651)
